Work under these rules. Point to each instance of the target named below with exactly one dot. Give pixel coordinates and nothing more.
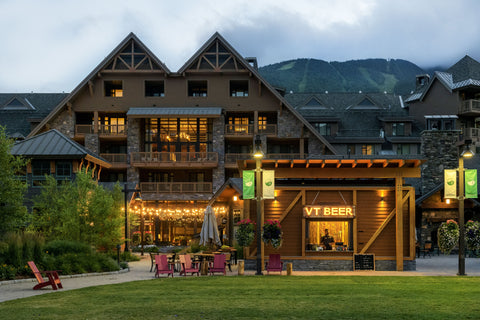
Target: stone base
(336, 265)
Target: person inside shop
(327, 240)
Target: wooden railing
(469, 106)
(238, 130)
(231, 158)
(286, 156)
(268, 129)
(187, 159)
(115, 158)
(106, 130)
(175, 187)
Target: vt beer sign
(329, 211)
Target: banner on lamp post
(471, 183)
(268, 184)
(248, 184)
(450, 183)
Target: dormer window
(113, 88)
(398, 129)
(324, 128)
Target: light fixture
(447, 201)
(235, 198)
(258, 154)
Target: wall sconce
(447, 201)
(235, 198)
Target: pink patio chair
(274, 263)
(218, 264)
(53, 279)
(187, 267)
(162, 266)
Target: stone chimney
(422, 81)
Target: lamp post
(461, 211)
(126, 191)
(258, 155)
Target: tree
(13, 214)
(81, 211)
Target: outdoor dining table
(204, 258)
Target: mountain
(369, 75)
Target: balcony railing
(472, 133)
(238, 130)
(289, 156)
(174, 159)
(175, 187)
(268, 129)
(231, 158)
(470, 106)
(105, 130)
(116, 159)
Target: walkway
(140, 270)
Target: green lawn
(266, 297)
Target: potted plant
(245, 232)
(472, 235)
(448, 234)
(272, 233)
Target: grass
(267, 297)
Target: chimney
(422, 81)
(253, 62)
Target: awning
(154, 112)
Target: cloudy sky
(51, 45)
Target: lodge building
(183, 137)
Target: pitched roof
(106, 63)
(466, 68)
(55, 145)
(36, 106)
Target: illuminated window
(367, 149)
(113, 88)
(262, 123)
(339, 236)
(238, 124)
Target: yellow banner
(450, 185)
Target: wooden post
(241, 267)
(399, 221)
(289, 268)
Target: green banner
(471, 183)
(248, 184)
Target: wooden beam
(382, 226)
(399, 221)
(315, 172)
(355, 225)
(411, 207)
(90, 88)
(291, 205)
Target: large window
(367, 149)
(113, 88)
(40, 168)
(63, 170)
(154, 88)
(328, 235)
(197, 88)
(239, 88)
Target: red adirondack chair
(274, 263)
(162, 266)
(218, 264)
(53, 279)
(187, 267)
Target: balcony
(104, 131)
(175, 187)
(283, 156)
(472, 134)
(118, 160)
(232, 158)
(469, 108)
(174, 159)
(239, 130)
(268, 129)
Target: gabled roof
(109, 64)
(19, 121)
(239, 60)
(54, 145)
(466, 68)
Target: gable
(216, 57)
(365, 104)
(17, 103)
(313, 104)
(133, 57)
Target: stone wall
(65, 123)
(336, 265)
(92, 143)
(441, 152)
(133, 145)
(218, 145)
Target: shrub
(60, 247)
(7, 272)
(448, 234)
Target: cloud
(51, 46)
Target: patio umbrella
(209, 228)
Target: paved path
(140, 270)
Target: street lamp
(461, 210)
(258, 155)
(137, 197)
